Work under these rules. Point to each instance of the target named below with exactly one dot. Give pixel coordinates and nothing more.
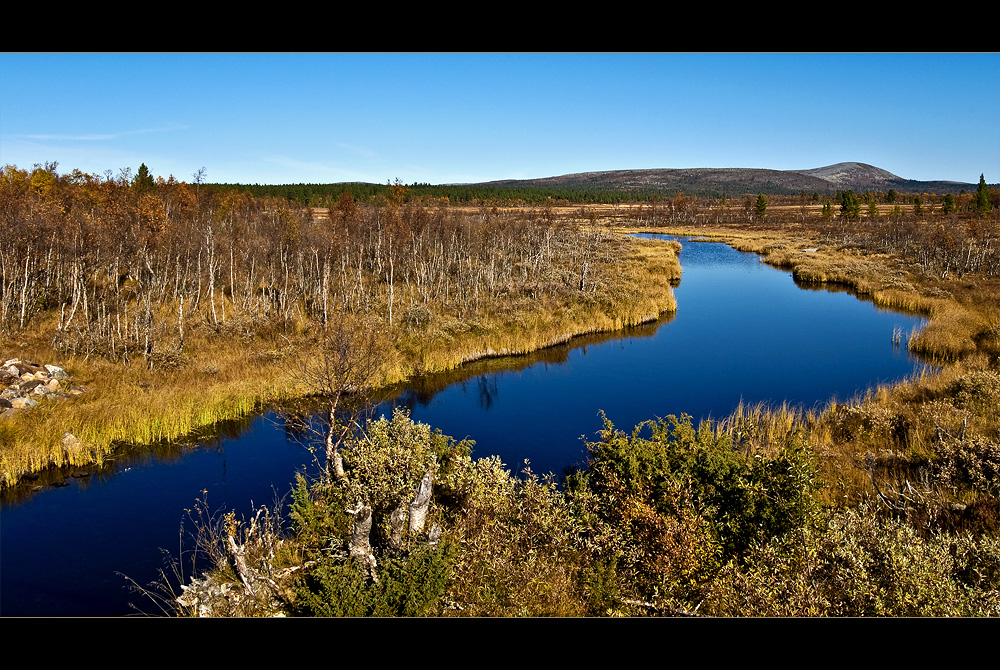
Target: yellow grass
(131, 404)
(229, 374)
(890, 432)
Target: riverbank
(893, 436)
(728, 518)
(883, 505)
(626, 539)
(232, 369)
(963, 312)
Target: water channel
(743, 331)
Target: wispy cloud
(360, 151)
(319, 171)
(99, 137)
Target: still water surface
(743, 331)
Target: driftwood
(421, 503)
(396, 524)
(361, 548)
(238, 556)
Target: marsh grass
(763, 429)
(931, 442)
(951, 333)
(233, 368)
(934, 433)
(633, 288)
(135, 405)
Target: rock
(20, 379)
(71, 444)
(56, 372)
(29, 385)
(24, 367)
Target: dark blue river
(743, 331)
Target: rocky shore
(26, 384)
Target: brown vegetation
(180, 306)
(900, 444)
(177, 306)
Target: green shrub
(408, 585)
(860, 564)
(978, 390)
(745, 497)
(673, 505)
(384, 466)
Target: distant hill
(859, 177)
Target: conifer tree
(948, 204)
(850, 205)
(143, 181)
(983, 197)
(761, 205)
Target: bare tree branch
(350, 362)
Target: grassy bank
(233, 368)
(895, 436)
(963, 312)
(721, 519)
(884, 505)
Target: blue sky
(449, 118)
